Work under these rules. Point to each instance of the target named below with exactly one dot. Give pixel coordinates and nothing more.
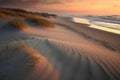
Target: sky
(71, 6)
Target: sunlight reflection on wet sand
(85, 21)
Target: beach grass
(18, 23)
(43, 22)
(4, 16)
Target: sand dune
(70, 51)
(21, 62)
(75, 62)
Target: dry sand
(71, 51)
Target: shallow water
(104, 26)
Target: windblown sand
(70, 51)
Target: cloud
(28, 3)
(35, 1)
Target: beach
(66, 51)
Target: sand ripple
(80, 62)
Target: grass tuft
(17, 49)
(4, 17)
(43, 22)
(18, 24)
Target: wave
(105, 26)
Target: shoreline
(106, 39)
(93, 24)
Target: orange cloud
(76, 6)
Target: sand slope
(71, 51)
